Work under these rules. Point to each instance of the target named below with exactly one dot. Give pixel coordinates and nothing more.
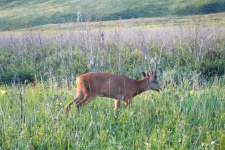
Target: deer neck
(142, 86)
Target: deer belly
(119, 96)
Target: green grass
(22, 14)
(171, 119)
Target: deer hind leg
(87, 99)
(76, 100)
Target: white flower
(213, 142)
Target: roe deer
(118, 87)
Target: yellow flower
(2, 92)
(191, 92)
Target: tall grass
(67, 54)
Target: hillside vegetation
(15, 14)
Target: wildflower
(191, 92)
(55, 119)
(147, 144)
(59, 104)
(213, 142)
(2, 92)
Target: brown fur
(118, 87)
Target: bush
(17, 76)
(213, 64)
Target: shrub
(18, 76)
(213, 64)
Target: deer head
(153, 83)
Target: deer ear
(143, 73)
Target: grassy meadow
(38, 68)
(172, 119)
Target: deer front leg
(129, 102)
(117, 104)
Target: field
(16, 14)
(38, 68)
